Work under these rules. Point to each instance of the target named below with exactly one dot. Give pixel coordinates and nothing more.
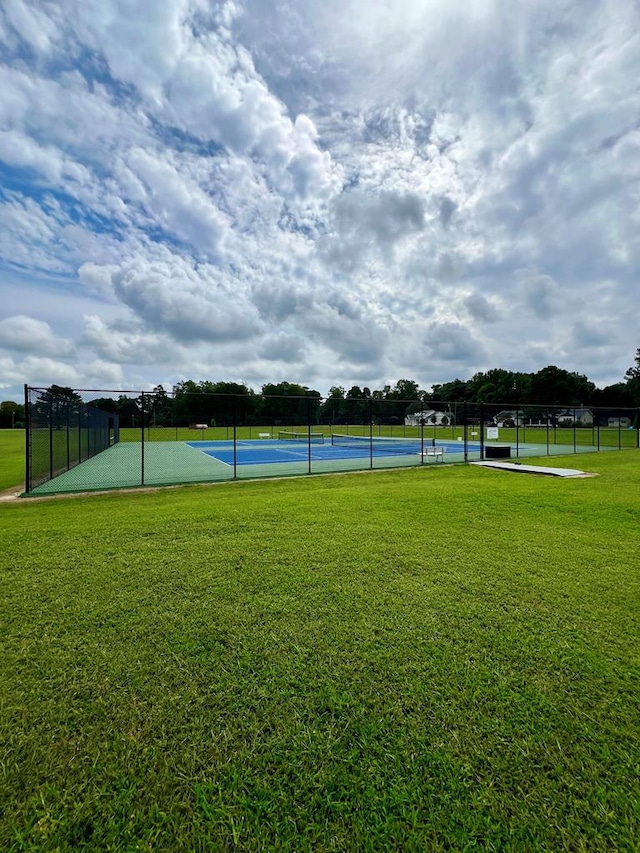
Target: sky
(345, 192)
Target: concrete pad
(534, 469)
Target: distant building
(430, 418)
(509, 418)
(577, 416)
(619, 422)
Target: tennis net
(379, 444)
(313, 437)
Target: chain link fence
(95, 440)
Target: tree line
(223, 403)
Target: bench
(264, 435)
(435, 452)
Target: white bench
(264, 435)
(435, 452)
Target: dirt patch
(13, 493)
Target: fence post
(50, 436)
(547, 418)
(309, 434)
(27, 439)
(370, 433)
(465, 432)
(235, 438)
(68, 439)
(481, 430)
(142, 441)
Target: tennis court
(279, 453)
(292, 448)
(129, 464)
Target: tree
(128, 411)
(633, 379)
(356, 408)
(55, 406)
(105, 404)
(289, 404)
(161, 407)
(11, 415)
(331, 411)
(404, 389)
(558, 387)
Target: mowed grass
(427, 659)
(12, 458)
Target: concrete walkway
(534, 469)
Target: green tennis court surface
(159, 463)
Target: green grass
(428, 659)
(11, 458)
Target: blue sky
(331, 193)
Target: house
(577, 416)
(509, 418)
(429, 418)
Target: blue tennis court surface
(261, 451)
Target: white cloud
(27, 334)
(188, 301)
(128, 343)
(176, 203)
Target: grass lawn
(11, 458)
(419, 660)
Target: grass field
(427, 659)
(11, 457)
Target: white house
(509, 418)
(430, 418)
(577, 415)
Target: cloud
(177, 203)
(26, 334)
(189, 302)
(127, 342)
(282, 347)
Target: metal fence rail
(93, 440)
